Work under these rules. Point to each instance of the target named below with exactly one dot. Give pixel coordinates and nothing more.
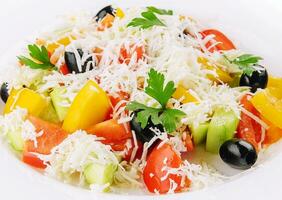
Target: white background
(255, 25)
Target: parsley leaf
(170, 117)
(162, 93)
(160, 11)
(246, 63)
(145, 113)
(156, 88)
(38, 54)
(149, 18)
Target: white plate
(253, 25)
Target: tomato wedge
(224, 43)
(111, 130)
(126, 54)
(154, 170)
(52, 135)
(33, 160)
(248, 129)
(64, 69)
(188, 142)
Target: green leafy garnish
(160, 11)
(149, 18)
(246, 63)
(38, 54)
(161, 93)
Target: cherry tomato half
(224, 43)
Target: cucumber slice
(16, 141)
(199, 133)
(57, 98)
(49, 114)
(222, 127)
(100, 174)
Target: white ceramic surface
(253, 25)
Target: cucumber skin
(16, 141)
(199, 133)
(99, 174)
(222, 127)
(56, 99)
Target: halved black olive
(71, 62)
(4, 92)
(238, 154)
(258, 79)
(146, 134)
(104, 11)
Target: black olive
(104, 11)
(71, 63)
(146, 134)
(258, 79)
(4, 92)
(239, 154)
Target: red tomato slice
(33, 160)
(188, 142)
(125, 55)
(115, 100)
(138, 154)
(64, 69)
(111, 130)
(248, 129)
(224, 42)
(51, 137)
(154, 169)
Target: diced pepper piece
(186, 96)
(90, 107)
(269, 103)
(274, 82)
(106, 22)
(221, 75)
(26, 98)
(119, 13)
(63, 41)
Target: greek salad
(121, 98)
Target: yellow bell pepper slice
(63, 41)
(269, 103)
(274, 82)
(119, 13)
(222, 75)
(28, 99)
(90, 106)
(181, 92)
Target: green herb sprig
(246, 63)
(161, 93)
(39, 54)
(149, 18)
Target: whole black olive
(258, 79)
(71, 63)
(104, 11)
(146, 134)
(237, 153)
(4, 92)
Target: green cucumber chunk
(100, 174)
(57, 99)
(16, 141)
(49, 114)
(199, 133)
(221, 128)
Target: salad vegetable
(139, 99)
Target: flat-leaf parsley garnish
(149, 18)
(40, 58)
(246, 63)
(161, 93)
